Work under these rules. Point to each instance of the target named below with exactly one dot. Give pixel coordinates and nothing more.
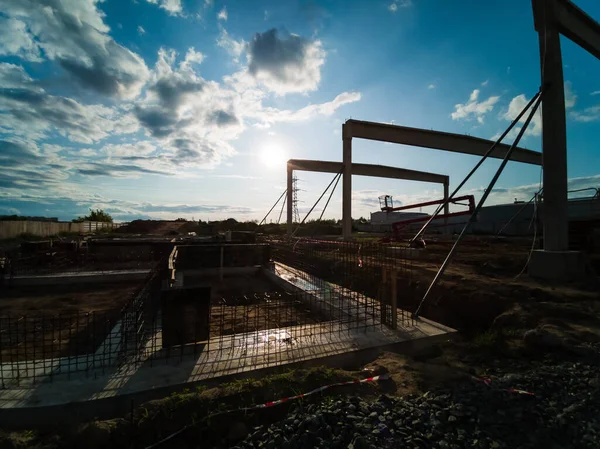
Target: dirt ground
(57, 320)
(481, 283)
(67, 298)
(228, 320)
(158, 227)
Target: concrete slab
(557, 265)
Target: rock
(452, 418)
(514, 318)
(237, 431)
(542, 338)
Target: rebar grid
(338, 292)
(59, 261)
(366, 271)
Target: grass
(493, 340)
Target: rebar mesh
(327, 295)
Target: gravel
(563, 413)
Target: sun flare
(273, 156)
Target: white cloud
(188, 121)
(396, 4)
(230, 45)
(142, 148)
(474, 109)
(501, 195)
(141, 30)
(535, 127)
(485, 83)
(173, 7)
(596, 92)
(284, 62)
(273, 115)
(73, 34)
(222, 14)
(29, 111)
(191, 57)
(570, 97)
(16, 40)
(591, 114)
(431, 86)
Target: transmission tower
(295, 191)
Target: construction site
(94, 325)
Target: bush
(95, 215)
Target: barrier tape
(271, 404)
(360, 263)
(317, 390)
(488, 382)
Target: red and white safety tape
(317, 390)
(272, 404)
(487, 381)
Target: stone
(237, 431)
(542, 338)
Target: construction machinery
(386, 203)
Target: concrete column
(347, 184)
(554, 136)
(446, 207)
(290, 199)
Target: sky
(190, 108)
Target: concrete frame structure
(551, 19)
(379, 171)
(415, 137)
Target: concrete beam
(434, 139)
(570, 21)
(376, 171)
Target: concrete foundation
(557, 265)
(95, 385)
(405, 253)
(80, 277)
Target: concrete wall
(9, 229)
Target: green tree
(95, 215)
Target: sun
(273, 156)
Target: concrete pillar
(347, 184)
(554, 135)
(446, 207)
(290, 199)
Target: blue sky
(177, 108)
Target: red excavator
(386, 204)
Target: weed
(487, 340)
